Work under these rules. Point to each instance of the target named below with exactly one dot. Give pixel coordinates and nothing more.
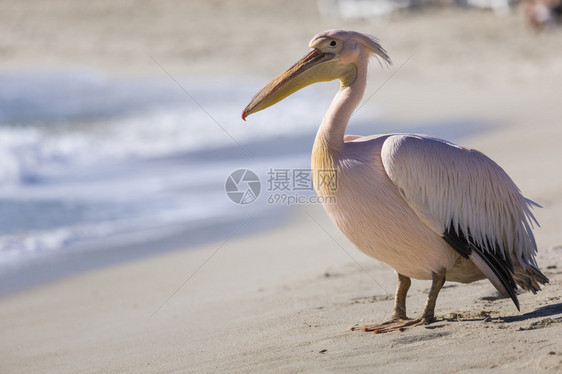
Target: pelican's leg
(428, 314)
(402, 288)
(428, 311)
(399, 313)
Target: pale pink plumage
(428, 208)
(398, 194)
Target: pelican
(429, 208)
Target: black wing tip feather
(502, 268)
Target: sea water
(95, 170)
(90, 163)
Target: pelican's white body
(426, 207)
(397, 194)
(384, 225)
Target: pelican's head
(335, 54)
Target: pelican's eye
(333, 43)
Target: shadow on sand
(544, 311)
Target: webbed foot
(394, 325)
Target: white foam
(80, 140)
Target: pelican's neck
(334, 124)
(329, 139)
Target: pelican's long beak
(317, 66)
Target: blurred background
(120, 120)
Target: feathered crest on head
(369, 42)
(373, 46)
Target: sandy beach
(283, 300)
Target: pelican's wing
(469, 200)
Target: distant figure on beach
(541, 14)
(373, 9)
(426, 207)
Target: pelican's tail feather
(529, 278)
